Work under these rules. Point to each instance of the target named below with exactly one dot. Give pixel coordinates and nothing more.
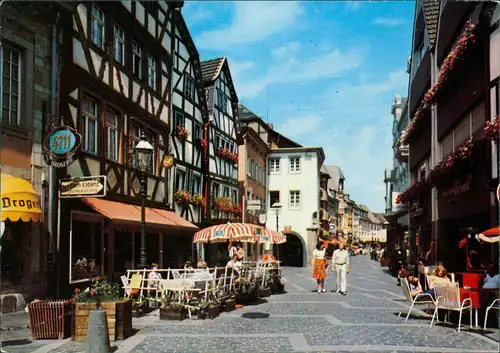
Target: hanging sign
(61, 146)
(94, 186)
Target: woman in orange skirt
(320, 264)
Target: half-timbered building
(222, 103)
(129, 69)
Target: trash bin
(50, 319)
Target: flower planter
(172, 313)
(213, 312)
(229, 305)
(201, 314)
(265, 293)
(118, 314)
(278, 288)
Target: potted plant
(213, 309)
(265, 292)
(172, 311)
(202, 310)
(230, 304)
(182, 133)
(182, 196)
(198, 200)
(106, 296)
(139, 307)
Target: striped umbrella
(226, 232)
(266, 235)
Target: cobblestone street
(303, 321)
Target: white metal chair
(420, 299)
(448, 298)
(495, 305)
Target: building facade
(127, 71)
(294, 182)
(448, 107)
(29, 88)
(222, 184)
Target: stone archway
(292, 252)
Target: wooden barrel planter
(119, 317)
(213, 311)
(172, 313)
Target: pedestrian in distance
(340, 266)
(320, 265)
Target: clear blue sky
(325, 73)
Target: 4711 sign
(61, 146)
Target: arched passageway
(291, 253)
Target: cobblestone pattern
(216, 344)
(365, 320)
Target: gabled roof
(431, 16)
(336, 175)
(210, 69)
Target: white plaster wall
(307, 182)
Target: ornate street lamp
(277, 208)
(142, 153)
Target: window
(111, 121)
(274, 165)
(89, 125)
(222, 101)
(225, 191)
(137, 59)
(189, 87)
(295, 165)
(274, 196)
(196, 185)
(180, 179)
(215, 190)
(179, 119)
(11, 84)
(217, 142)
(422, 172)
(252, 166)
(97, 30)
(197, 131)
(152, 72)
(234, 196)
(119, 44)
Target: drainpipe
(206, 161)
(53, 112)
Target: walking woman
(320, 264)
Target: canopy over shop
(105, 238)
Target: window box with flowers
(237, 211)
(182, 133)
(202, 143)
(106, 296)
(224, 204)
(182, 197)
(492, 129)
(198, 200)
(227, 155)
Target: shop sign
(459, 187)
(94, 186)
(61, 146)
(416, 210)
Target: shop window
(88, 248)
(14, 247)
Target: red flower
(98, 278)
(77, 290)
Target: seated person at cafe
(201, 273)
(154, 277)
(234, 263)
(187, 265)
(240, 252)
(439, 277)
(415, 287)
(492, 279)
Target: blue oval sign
(62, 141)
(266, 238)
(219, 233)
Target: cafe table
(478, 298)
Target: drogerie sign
(94, 186)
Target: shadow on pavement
(255, 315)
(21, 342)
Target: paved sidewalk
(366, 320)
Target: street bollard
(97, 333)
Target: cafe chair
(495, 305)
(448, 298)
(420, 299)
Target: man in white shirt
(340, 265)
(492, 280)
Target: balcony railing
(402, 152)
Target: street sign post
(93, 186)
(253, 205)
